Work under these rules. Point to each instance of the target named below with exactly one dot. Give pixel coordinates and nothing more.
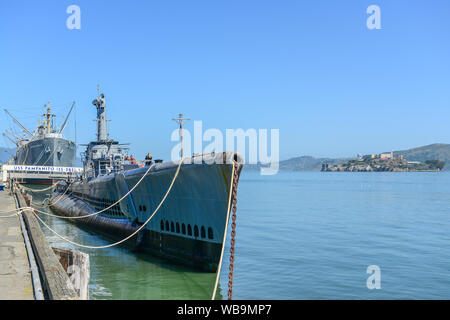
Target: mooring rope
(88, 215)
(103, 210)
(39, 190)
(128, 237)
(12, 210)
(16, 210)
(91, 214)
(50, 203)
(219, 266)
(12, 215)
(233, 182)
(17, 213)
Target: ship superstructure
(46, 146)
(104, 155)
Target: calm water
(305, 235)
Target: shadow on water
(121, 273)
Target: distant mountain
(303, 163)
(307, 163)
(438, 151)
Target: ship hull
(53, 152)
(189, 226)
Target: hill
(437, 151)
(307, 163)
(303, 163)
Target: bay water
(302, 235)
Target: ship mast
(48, 116)
(99, 103)
(180, 120)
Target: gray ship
(188, 226)
(45, 146)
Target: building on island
(389, 155)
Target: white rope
(131, 235)
(50, 203)
(147, 221)
(40, 190)
(8, 211)
(224, 235)
(103, 210)
(15, 214)
(91, 214)
(13, 210)
(12, 215)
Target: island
(383, 162)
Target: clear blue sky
(309, 68)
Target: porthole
(183, 228)
(189, 230)
(195, 231)
(144, 208)
(178, 227)
(167, 225)
(210, 233)
(172, 228)
(140, 208)
(202, 232)
(162, 225)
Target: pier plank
(15, 275)
(56, 282)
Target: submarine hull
(190, 224)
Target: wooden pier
(35, 272)
(15, 274)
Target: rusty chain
(233, 231)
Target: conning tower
(103, 156)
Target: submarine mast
(99, 103)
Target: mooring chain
(233, 231)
